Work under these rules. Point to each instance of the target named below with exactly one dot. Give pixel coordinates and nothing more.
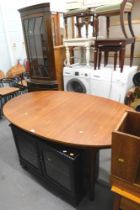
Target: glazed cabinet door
(37, 29)
(37, 47)
(28, 150)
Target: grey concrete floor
(21, 191)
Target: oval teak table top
(66, 117)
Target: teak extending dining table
(68, 118)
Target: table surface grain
(66, 117)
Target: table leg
(94, 166)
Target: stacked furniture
(116, 45)
(80, 18)
(90, 16)
(77, 75)
(12, 84)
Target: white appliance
(77, 78)
(122, 82)
(112, 84)
(101, 82)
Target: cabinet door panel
(125, 153)
(27, 148)
(38, 35)
(37, 46)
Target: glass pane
(37, 46)
(38, 40)
(31, 37)
(57, 169)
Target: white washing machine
(112, 84)
(101, 82)
(77, 78)
(122, 82)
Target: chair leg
(120, 59)
(95, 57)
(122, 25)
(93, 26)
(115, 59)
(122, 56)
(78, 27)
(66, 29)
(132, 53)
(106, 58)
(108, 25)
(130, 24)
(100, 57)
(96, 22)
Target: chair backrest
(81, 17)
(15, 71)
(127, 5)
(2, 75)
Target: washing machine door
(76, 85)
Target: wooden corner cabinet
(125, 170)
(39, 26)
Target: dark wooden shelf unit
(38, 35)
(58, 167)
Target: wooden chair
(120, 8)
(83, 17)
(117, 46)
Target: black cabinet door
(37, 29)
(62, 167)
(28, 149)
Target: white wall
(4, 51)
(12, 45)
